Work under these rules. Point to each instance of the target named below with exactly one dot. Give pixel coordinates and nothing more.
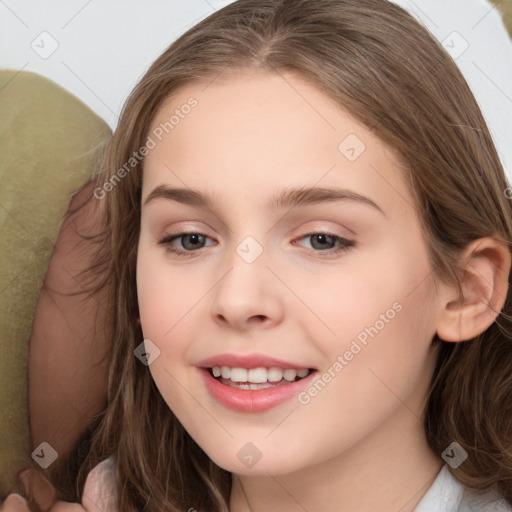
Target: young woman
(306, 248)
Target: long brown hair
(388, 71)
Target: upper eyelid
(192, 230)
(311, 230)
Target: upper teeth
(257, 375)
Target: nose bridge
(249, 250)
(245, 292)
(246, 277)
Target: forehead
(253, 130)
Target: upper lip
(249, 361)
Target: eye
(323, 244)
(328, 243)
(190, 242)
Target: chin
(272, 464)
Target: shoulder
(100, 491)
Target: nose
(248, 296)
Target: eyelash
(346, 244)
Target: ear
(484, 280)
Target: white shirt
(446, 494)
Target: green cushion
(50, 144)
(505, 8)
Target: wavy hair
(391, 74)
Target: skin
(359, 444)
(251, 136)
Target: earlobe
(484, 280)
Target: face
(246, 269)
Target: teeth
(255, 375)
(290, 375)
(274, 374)
(253, 387)
(258, 375)
(240, 375)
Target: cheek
(380, 311)
(171, 309)
(353, 299)
(391, 333)
(164, 299)
(166, 295)
(367, 381)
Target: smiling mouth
(257, 378)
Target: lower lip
(248, 400)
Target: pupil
(322, 238)
(195, 239)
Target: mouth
(257, 378)
(255, 390)
(253, 382)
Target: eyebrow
(287, 198)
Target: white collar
(447, 494)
